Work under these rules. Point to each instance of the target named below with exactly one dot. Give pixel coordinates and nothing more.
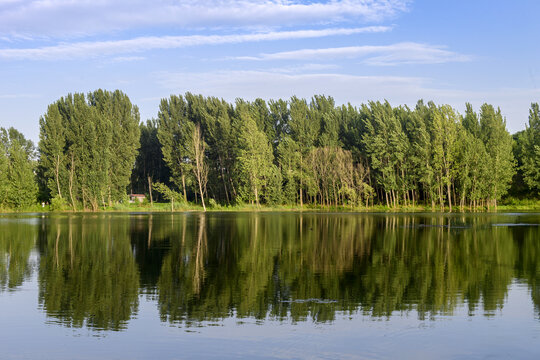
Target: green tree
(531, 150)
(116, 109)
(254, 157)
(445, 148)
(499, 148)
(149, 164)
(175, 134)
(18, 165)
(52, 145)
(304, 130)
(4, 182)
(88, 146)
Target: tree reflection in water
(285, 266)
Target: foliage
(88, 145)
(18, 187)
(149, 164)
(59, 204)
(169, 194)
(530, 149)
(294, 152)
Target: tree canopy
(88, 145)
(93, 150)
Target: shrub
(59, 204)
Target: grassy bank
(506, 205)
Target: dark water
(269, 285)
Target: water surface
(269, 285)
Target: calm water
(269, 285)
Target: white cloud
(303, 68)
(120, 59)
(401, 53)
(141, 44)
(346, 88)
(67, 18)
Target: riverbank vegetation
(203, 152)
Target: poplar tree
(304, 130)
(116, 109)
(531, 149)
(445, 148)
(175, 135)
(88, 145)
(52, 145)
(254, 155)
(17, 166)
(199, 166)
(149, 164)
(219, 136)
(4, 168)
(498, 144)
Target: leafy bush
(213, 204)
(59, 204)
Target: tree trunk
(202, 197)
(57, 170)
(256, 195)
(301, 201)
(449, 196)
(223, 178)
(232, 184)
(441, 196)
(335, 192)
(150, 190)
(184, 186)
(71, 174)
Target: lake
(270, 285)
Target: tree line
(94, 150)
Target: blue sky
(354, 50)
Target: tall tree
(254, 156)
(445, 147)
(499, 148)
(52, 145)
(149, 164)
(304, 130)
(116, 108)
(17, 160)
(175, 134)
(531, 149)
(88, 146)
(200, 166)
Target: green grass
(520, 204)
(506, 205)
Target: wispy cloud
(121, 59)
(401, 53)
(275, 84)
(83, 17)
(18, 96)
(305, 68)
(90, 49)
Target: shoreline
(165, 208)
